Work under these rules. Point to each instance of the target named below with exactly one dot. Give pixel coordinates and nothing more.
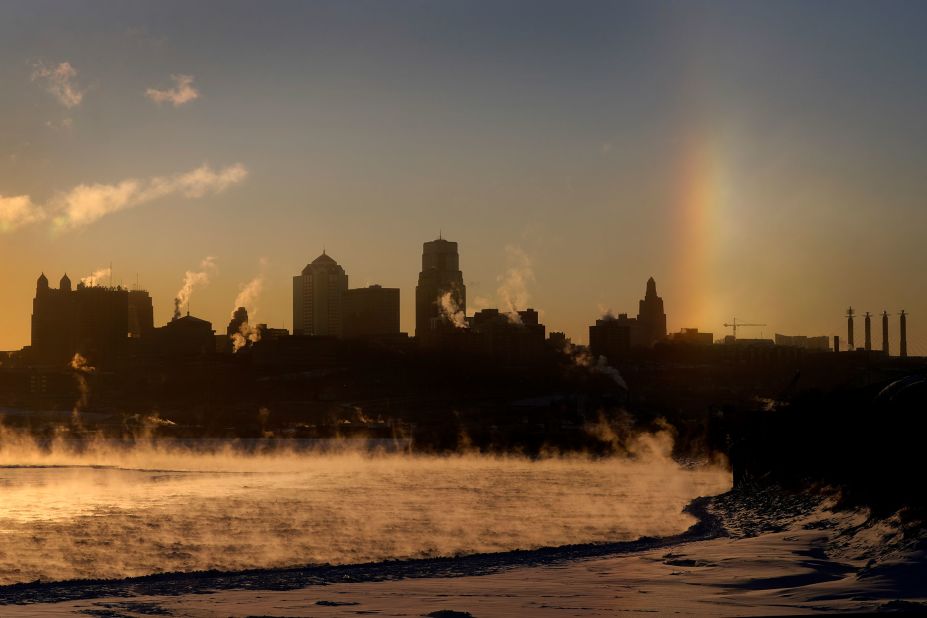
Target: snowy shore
(758, 554)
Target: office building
(440, 276)
(318, 295)
(371, 311)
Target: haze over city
(763, 161)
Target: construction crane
(734, 324)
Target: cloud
(182, 92)
(18, 211)
(64, 123)
(60, 81)
(85, 204)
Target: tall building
(440, 276)
(141, 314)
(318, 294)
(371, 311)
(651, 320)
(90, 320)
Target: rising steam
(581, 357)
(162, 507)
(81, 370)
(248, 298)
(192, 280)
(513, 283)
(452, 311)
(100, 274)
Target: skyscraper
(318, 294)
(651, 320)
(141, 314)
(440, 276)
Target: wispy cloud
(183, 92)
(87, 203)
(60, 81)
(18, 211)
(56, 125)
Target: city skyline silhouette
(602, 154)
(462, 308)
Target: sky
(759, 160)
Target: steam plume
(191, 280)
(581, 357)
(247, 298)
(96, 276)
(513, 283)
(452, 311)
(81, 371)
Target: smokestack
(850, 328)
(885, 332)
(868, 332)
(903, 345)
(836, 343)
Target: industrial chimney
(885, 332)
(903, 345)
(868, 332)
(850, 329)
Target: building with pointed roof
(651, 319)
(318, 296)
(91, 321)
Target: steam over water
(112, 512)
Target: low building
(821, 343)
(507, 339)
(185, 336)
(692, 336)
(371, 312)
(613, 337)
